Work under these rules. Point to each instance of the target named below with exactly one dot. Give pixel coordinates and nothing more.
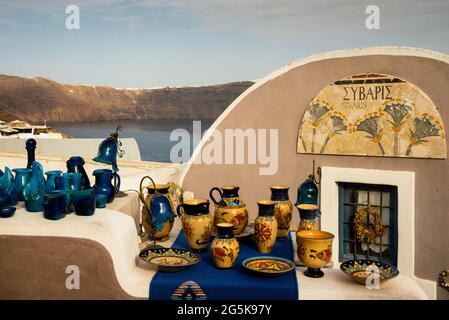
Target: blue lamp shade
(307, 192)
(109, 149)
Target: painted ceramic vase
(230, 208)
(225, 247)
(157, 213)
(307, 214)
(307, 192)
(265, 226)
(197, 222)
(23, 176)
(103, 183)
(314, 251)
(282, 210)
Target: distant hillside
(39, 99)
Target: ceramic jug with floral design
(230, 208)
(225, 247)
(282, 210)
(157, 212)
(265, 226)
(197, 222)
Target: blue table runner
(204, 281)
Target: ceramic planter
(265, 226)
(282, 210)
(197, 222)
(230, 208)
(225, 247)
(314, 250)
(157, 213)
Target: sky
(156, 43)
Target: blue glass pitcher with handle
(103, 183)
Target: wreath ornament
(367, 232)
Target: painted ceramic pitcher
(157, 213)
(230, 208)
(103, 183)
(225, 247)
(282, 210)
(265, 226)
(197, 222)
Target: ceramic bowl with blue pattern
(362, 271)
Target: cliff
(38, 99)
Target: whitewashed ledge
(116, 232)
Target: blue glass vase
(103, 183)
(35, 189)
(50, 183)
(23, 176)
(7, 186)
(76, 164)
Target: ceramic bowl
(357, 270)
(314, 250)
(7, 212)
(169, 259)
(268, 266)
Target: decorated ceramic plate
(359, 270)
(249, 231)
(268, 266)
(169, 259)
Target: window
(383, 199)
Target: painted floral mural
(372, 115)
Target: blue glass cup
(101, 200)
(54, 205)
(68, 207)
(84, 202)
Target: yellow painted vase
(230, 208)
(197, 222)
(265, 226)
(282, 210)
(307, 214)
(157, 201)
(225, 247)
(314, 251)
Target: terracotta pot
(282, 210)
(225, 247)
(197, 222)
(265, 226)
(230, 208)
(314, 250)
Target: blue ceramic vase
(103, 183)
(23, 176)
(35, 189)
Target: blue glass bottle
(50, 183)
